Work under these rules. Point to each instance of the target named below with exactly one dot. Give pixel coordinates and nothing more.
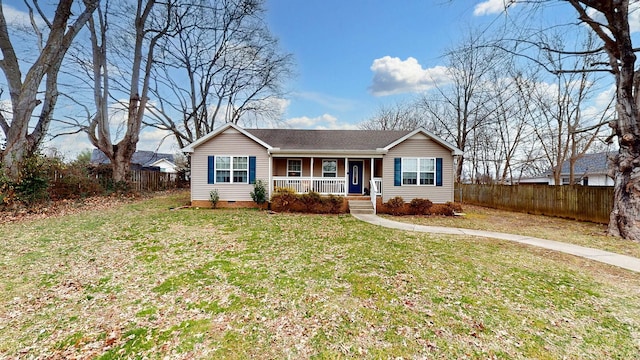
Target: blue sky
(353, 56)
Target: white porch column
(346, 176)
(270, 176)
(371, 176)
(311, 173)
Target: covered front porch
(343, 176)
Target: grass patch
(141, 281)
(570, 231)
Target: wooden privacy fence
(142, 180)
(586, 203)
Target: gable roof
(289, 140)
(295, 139)
(191, 147)
(163, 161)
(140, 157)
(595, 163)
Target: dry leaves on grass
(72, 206)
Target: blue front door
(355, 177)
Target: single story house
(410, 164)
(588, 170)
(141, 160)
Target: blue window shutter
(397, 172)
(211, 176)
(438, 171)
(252, 169)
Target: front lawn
(140, 280)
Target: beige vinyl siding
(229, 143)
(424, 147)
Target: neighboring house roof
(165, 164)
(141, 157)
(324, 140)
(588, 164)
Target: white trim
(191, 147)
(336, 171)
(417, 172)
(346, 176)
(434, 137)
(301, 166)
(155, 163)
(231, 169)
(270, 175)
(349, 177)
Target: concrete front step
(360, 207)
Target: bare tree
(222, 66)
(609, 21)
(150, 22)
(456, 108)
(564, 132)
(25, 92)
(399, 116)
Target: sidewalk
(623, 261)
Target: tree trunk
(121, 165)
(459, 166)
(625, 216)
(24, 93)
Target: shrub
(420, 206)
(312, 202)
(283, 199)
(457, 207)
(442, 209)
(214, 197)
(259, 193)
(395, 206)
(336, 204)
(73, 181)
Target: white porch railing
(325, 186)
(378, 183)
(374, 194)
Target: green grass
(141, 281)
(546, 227)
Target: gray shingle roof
(140, 157)
(294, 139)
(588, 164)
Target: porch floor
(358, 197)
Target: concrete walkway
(623, 261)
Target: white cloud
(602, 106)
(395, 76)
(157, 140)
(489, 7)
(634, 16)
(18, 18)
(322, 122)
(69, 146)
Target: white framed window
(241, 169)
(232, 169)
(294, 167)
(330, 168)
(418, 171)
